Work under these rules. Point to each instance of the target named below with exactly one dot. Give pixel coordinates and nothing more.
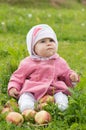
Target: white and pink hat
(37, 33)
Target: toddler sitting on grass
(43, 72)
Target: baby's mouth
(50, 48)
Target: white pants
(62, 101)
(27, 101)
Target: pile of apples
(38, 116)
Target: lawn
(70, 27)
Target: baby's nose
(49, 43)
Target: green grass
(70, 27)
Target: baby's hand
(13, 92)
(74, 77)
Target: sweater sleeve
(65, 73)
(18, 77)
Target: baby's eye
(51, 40)
(42, 41)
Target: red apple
(15, 118)
(46, 98)
(42, 117)
(29, 114)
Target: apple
(15, 118)
(46, 98)
(41, 106)
(42, 117)
(6, 110)
(29, 114)
(12, 103)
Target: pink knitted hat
(37, 33)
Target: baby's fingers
(74, 77)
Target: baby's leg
(62, 101)
(26, 101)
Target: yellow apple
(47, 98)
(29, 114)
(6, 110)
(42, 117)
(40, 106)
(12, 103)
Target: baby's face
(45, 47)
